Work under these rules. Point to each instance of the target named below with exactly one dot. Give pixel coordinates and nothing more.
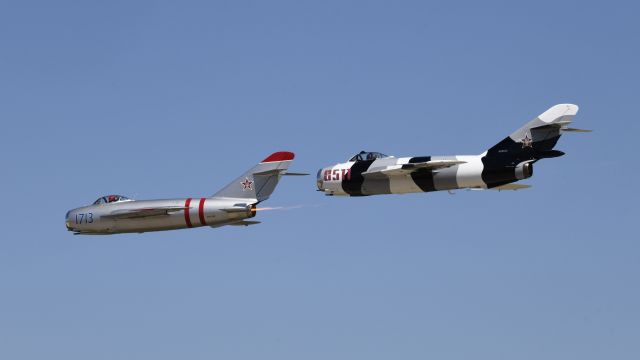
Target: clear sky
(175, 99)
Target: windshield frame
(368, 156)
(111, 199)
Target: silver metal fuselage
(214, 212)
(232, 204)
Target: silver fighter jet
(512, 159)
(230, 206)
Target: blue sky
(175, 99)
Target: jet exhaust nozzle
(524, 170)
(549, 154)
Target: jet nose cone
(67, 221)
(319, 181)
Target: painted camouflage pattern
(506, 162)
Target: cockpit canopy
(111, 199)
(366, 155)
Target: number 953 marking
(85, 218)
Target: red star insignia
(246, 184)
(527, 142)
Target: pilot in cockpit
(111, 199)
(367, 156)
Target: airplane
(233, 205)
(510, 160)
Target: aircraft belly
(403, 184)
(379, 185)
(156, 223)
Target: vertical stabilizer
(539, 134)
(260, 181)
(512, 158)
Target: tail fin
(536, 139)
(512, 158)
(259, 182)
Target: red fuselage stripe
(201, 212)
(187, 215)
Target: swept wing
(144, 212)
(406, 169)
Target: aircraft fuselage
(98, 219)
(348, 179)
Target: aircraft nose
(67, 221)
(319, 181)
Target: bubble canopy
(368, 155)
(111, 199)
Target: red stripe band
(201, 212)
(187, 215)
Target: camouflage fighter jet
(230, 206)
(512, 159)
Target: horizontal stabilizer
(546, 154)
(513, 187)
(576, 130)
(245, 223)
